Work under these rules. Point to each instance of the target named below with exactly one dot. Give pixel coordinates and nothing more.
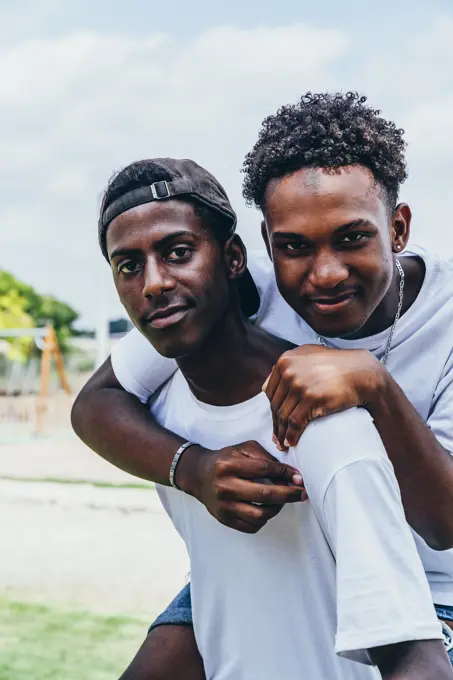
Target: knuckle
(222, 492)
(253, 446)
(221, 466)
(287, 373)
(298, 385)
(257, 512)
(293, 423)
(311, 394)
(263, 467)
(265, 495)
(284, 361)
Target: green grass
(85, 482)
(48, 643)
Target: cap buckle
(156, 190)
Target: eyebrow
(338, 230)
(161, 243)
(355, 223)
(124, 251)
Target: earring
(398, 247)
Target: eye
(179, 253)
(354, 237)
(295, 247)
(128, 267)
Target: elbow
(89, 404)
(77, 414)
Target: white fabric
(275, 605)
(421, 362)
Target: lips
(167, 316)
(333, 304)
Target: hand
(313, 381)
(228, 484)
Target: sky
(88, 86)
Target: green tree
(22, 307)
(13, 314)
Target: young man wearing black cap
(175, 262)
(348, 139)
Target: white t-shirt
(421, 362)
(330, 575)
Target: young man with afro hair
(326, 174)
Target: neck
(384, 314)
(233, 363)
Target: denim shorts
(446, 613)
(179, 613)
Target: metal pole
(102, 326)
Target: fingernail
(297, 479)
(275, 440)
(287, 444)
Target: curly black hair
(145, 172)
(328, 131)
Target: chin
(176, 351)
(335, 327)
(177, 348)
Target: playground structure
(25, 395)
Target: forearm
(132, 444)
(420, 660)
(423, 468)
(118, 427)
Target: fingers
(247, 518)
(251, 518)
(243, 527)
(296, 423)
(303, 414)
(277, 400)
(255, 514)
(272, 383)
(254, 468)
(265, 494)
(286, 408)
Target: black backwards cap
(188, 179)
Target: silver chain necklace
(388, 346)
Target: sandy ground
(103, 549)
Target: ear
(265, 236)
(235, 257)
(401, 227)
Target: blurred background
(87, 557)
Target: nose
(158, 279)
(327, 270)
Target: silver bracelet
(175, 461)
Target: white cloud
(411, 80)
(74, 108)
